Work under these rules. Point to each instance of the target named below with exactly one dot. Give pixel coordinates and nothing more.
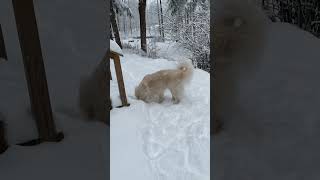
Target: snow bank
(72, 35)
(273, 132)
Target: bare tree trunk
(115, 25)
(159, 18)
(130, 19)
(143, 33)
(130, 26)
(300, 15)
(162, 27)
(35, 70)
(124, 24)
(111, 32)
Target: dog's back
(153, 85)
(181, 74)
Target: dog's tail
(186, 69)
(239, 27)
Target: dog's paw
(175, 101)
(161, 99)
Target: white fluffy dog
(152, 86)
(93, 94)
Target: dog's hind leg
(176, 94)
(161, 97)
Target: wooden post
(121, 87)
(34, 70)
(3, 52)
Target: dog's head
(142, 91)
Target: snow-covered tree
(119, 8)
(303, 13)
(189, 25)
(114, 23)
(143, 30)
(122, 8)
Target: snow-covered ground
(73, 41)
(160, 141)
(273, 133)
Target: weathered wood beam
(35, 70)
(122, 90)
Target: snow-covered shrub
(152, 48)
(135, 48)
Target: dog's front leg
(176, 93)
(161, 98)
(175, 99)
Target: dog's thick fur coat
(93, 94)
(152, 86)
(238, 34)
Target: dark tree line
(303, 13)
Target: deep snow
(73, 40)
(160, 141)
(273, 132)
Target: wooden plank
(35, 70)
(113, 53)
(121, 87)
(3, 52)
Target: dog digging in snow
(238, 38)
(153, 86)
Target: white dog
(152, 87)
(93, 94)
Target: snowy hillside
(273, 132)
(160, 141)
(73, 41)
